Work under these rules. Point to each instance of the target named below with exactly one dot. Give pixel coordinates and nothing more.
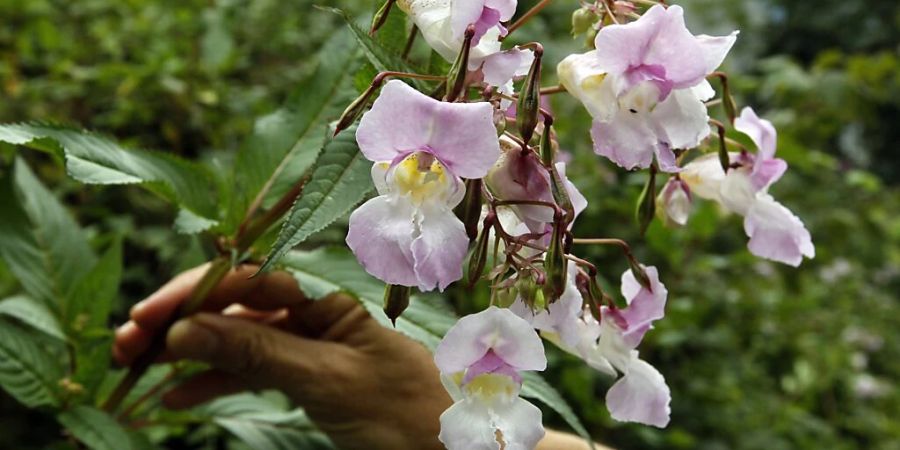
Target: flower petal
(467, 425)
(776, 233)
(644, 306)
(520, 425)
(439, 249)
(761, 132)
(582, 77)
(626, 140)
(380, 235)
(498, 329)
(640, 396)
(716, 48)
(683, 119)
(500, 68)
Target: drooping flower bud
(479, 252)
(396, 300)
(381, 16)
(469, 210)
(583, 20)
(358, 106)
(529, 104)
(673, 205)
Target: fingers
(268, 291)
(263, 356)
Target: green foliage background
(758, 355)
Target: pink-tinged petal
(461, 135)
(518, 176)
(467, 425)
(627, 140)
(704, 175)
(583, 77)
(644, 305)
(776, 233)
(490, 363)
(507, 8)
(439, 250)
(716, 48)
(500, 68)
(465, 13)
(509, 336)
(381, 236)
(767, 172)
(520, 425)
(561, 316)
(659, 40)
(640, 396)
(761, 132)
(620, 47)
(683, 119)
(737, 192)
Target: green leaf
(533, 386)
(328, 270)
(86, 314)
(28, 371)
(95, 428)
(41, 243)
(285, 143)
(393, 34)
(95, 159)
(341, 180)
(381, 58)
(266, 424)
(33, 314)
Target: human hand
(366, 386)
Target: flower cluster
(453, 181)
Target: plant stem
(526, 17)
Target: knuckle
(250, 357)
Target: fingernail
(189, 339)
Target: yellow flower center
(420, 176)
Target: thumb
(264, 356)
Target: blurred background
(758, 355)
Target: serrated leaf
(263, 424)
(28, 371)
(85, 315)
(341, 180)
(95, 159)
(285, 143)
(40, 242)
(33, 314)
(95, 429)
(381, 58)
(328, 270)
(533, 386)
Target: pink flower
(480, 359)
(484, 14)
(775, 232)
(645, 87)
(500, 69)
(408, 235)
(674, 202)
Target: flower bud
(478, 255)
(396, 300)
(456, 81)
(673, 205)
(469, 210)
(529, 105)
(555, 263)
(583, 19)
(381, 16)
(528, 287)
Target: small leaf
(285, 144)
(264, 424)
(381, 58)
(537, 388)
(329, 270)
(95, 428)
(40, 242)
(33, 314)
(28, 371)
(95, 159)
(341, 180)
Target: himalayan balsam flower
(641, 394)
(443, 23)
(500, 69)
(673, 204)
(644, 85)
(480, 359)
(775, 232)
(408, 235)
